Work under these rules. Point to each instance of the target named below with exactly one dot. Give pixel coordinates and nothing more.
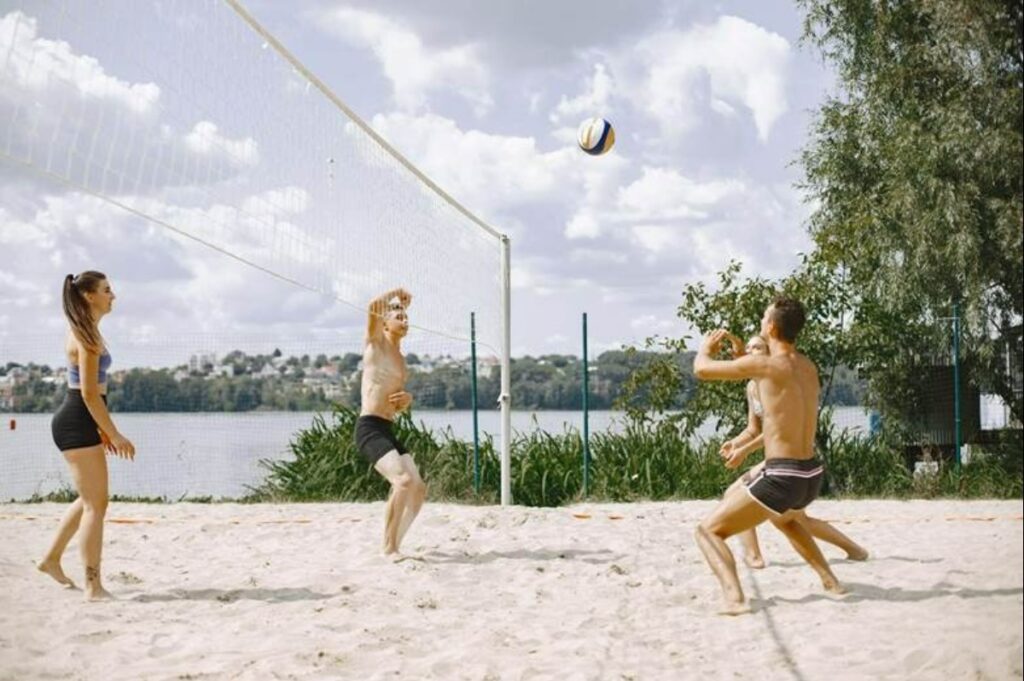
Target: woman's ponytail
(76, 308)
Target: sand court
(594, 591)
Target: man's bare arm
(706, 368)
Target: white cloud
(413, 68)
(715, 66)
(36, 63)
(659, 195)
(656, 238)
(278, 202)
(601, 178)
(596, 256)
(205, 139)
(484, 172)
(664, 193)
(593, 102)
(583, 225)
(648, 324)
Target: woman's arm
(730, 450)
(88, 372)
(740, 454)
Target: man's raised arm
(707, 368)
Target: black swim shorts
(787, 484)
(375, 437)
(73, 426)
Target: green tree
(665, 382)
(915, 166)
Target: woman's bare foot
(98, 593)
(53, 568)
(755, 562)
(94, 590)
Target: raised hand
(404, 297)
(714, 341)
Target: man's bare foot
(98, 594)
(754, 562)
(859, 554)
(733, 608)
(54, 569)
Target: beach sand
(593, 591)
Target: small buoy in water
(14, 424)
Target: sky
(711, 103)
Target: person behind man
(787, 383)
(383, 398)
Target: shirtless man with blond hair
(787, 383)
(383, 398)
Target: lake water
(217, 454)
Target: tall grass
(643, 462)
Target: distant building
(6, 392)
(202, 362)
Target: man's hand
(404, 297)
(400, 401)
(739, 348)
(713, 342)
(725, 451)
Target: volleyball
(596, 136)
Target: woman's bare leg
(826, 532)
(89, 470)
(50, 564)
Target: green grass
(644, 462)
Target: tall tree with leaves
(915, 164)
(664, 390)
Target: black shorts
(375, 437)
(787, 484)
(73, 426)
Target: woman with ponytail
(82, 429)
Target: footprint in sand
(94, 637)
(915, 660)
(162, 644)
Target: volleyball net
(244, 215)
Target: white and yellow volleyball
(596, 136)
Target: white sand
(299, 592)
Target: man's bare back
(789, 394)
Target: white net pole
(506, 373)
